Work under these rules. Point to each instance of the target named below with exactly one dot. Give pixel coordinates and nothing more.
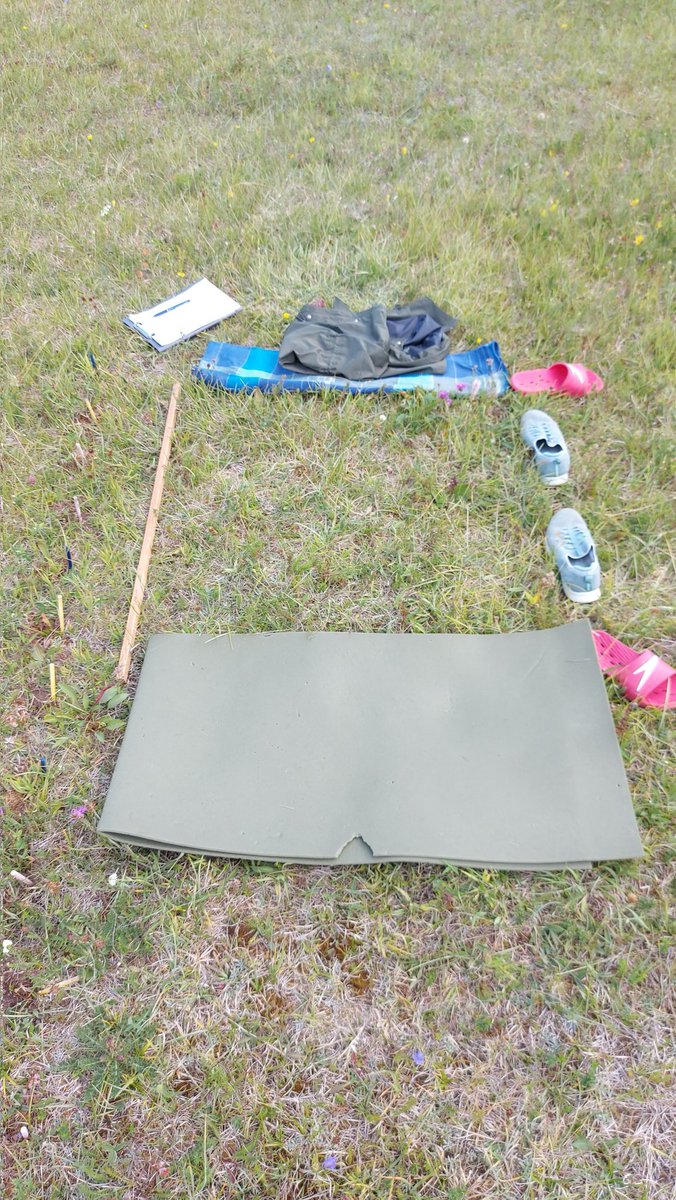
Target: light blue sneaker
(543, 436)
(572, 545)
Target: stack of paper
(196, 308)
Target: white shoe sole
(581, 597)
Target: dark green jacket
(370, 344)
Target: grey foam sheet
(354, 747)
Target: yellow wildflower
(404, 150)
(633, 203)
(638, 239)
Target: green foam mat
(494, 750)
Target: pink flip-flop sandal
(572, 378)
(641, 674)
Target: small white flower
(7, 945)
(23, 1132)
(105, 210)
(383, 417)
(466, 140)
(112, 879)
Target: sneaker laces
(576, 545)
(547, 439)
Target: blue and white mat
(247, 367)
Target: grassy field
(179, 1028)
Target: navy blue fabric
(417, 333)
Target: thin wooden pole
(124, 664)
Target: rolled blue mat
(240, 368)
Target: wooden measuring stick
(122, 672)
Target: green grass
(216, 1029)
